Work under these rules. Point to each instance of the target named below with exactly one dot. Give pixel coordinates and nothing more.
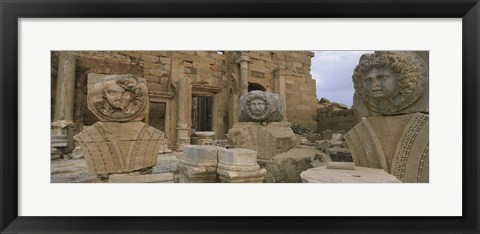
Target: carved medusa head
(259, 106)
(388, 82)
(118, 98)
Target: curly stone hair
(411, 72)
(137, 104)
(262, 96)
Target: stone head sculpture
(260, 106)
(117, 98)
(389, 82)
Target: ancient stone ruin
(260, 128)
(393, 101)
(119, 142)
(235, 117)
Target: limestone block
(304, 140)
(228, 176)
(239, 166)
(259, 106)
(337, 136)
(165, 163)
(198, 164)
(200, 173)
(150, 58)
(237, 156)
(359, 175)
(113, 147)
(286, 167)
(77, 153)
(167, 177)
(269, 140)
(322, 157)
(200, 154)
(397, 144)
(323, 145)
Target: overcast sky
(333, 71)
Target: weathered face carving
(260, 106)
(257, 106)
(117, 96)
(381, 83)
(389, 82)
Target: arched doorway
(255, 86)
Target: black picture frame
(11, 11)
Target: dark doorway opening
(156, 117)
(202, 113)
(255, 86)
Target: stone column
(233, 100)
(280, 88)
(183, 96)
(63, 115)
(62, 126)
(243, 61)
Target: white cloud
(333, 71)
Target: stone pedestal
(239, 166)
(203, 138)
(267, 141)
(113, 147)
(198, 164)
(358, 175)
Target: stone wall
(211, 73)
(336, 120)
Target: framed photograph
(269, 52)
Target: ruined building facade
(192, 90)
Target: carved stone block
(117, 98)
(397, 144)
(113, 147)
(239, 166)
(260, 106)
(391, 93)
(198, 164)
(267, 141)
(391, 82)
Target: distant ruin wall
(336, 120)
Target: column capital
(277, 72)
(242, 58)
